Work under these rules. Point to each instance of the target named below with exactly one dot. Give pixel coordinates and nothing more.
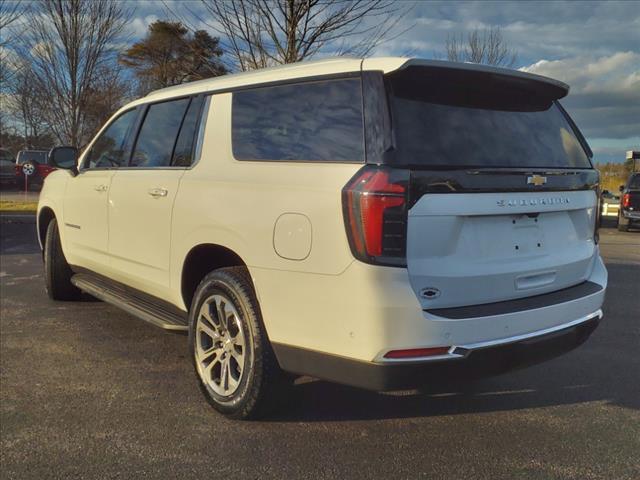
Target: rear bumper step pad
(519, 305)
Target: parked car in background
(7, 166)
(288, 225)
(629, 213)
(32, 166)
(609, 204)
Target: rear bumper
(463, 361)
(630, 215)
(341, 327)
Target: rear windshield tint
(634, 182)
(479, 122)
(34, 155)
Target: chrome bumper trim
(462, 351)
(525, 336)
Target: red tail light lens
(626, 200)
(417, 352)
(375, 214)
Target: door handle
(100, 188)
(158, 192)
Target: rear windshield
(634, 182)
(489, 121)
(37, 156)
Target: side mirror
(621, 188)
(65, 158)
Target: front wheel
(57, 272)
(233, 359)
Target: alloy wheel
(220, 345)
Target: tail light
(418, 352)
(374, 203)
(626, 200)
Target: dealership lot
(87, 390)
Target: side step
(132, 301)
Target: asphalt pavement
(87, 391)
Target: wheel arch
(45, 215)
(201, 260)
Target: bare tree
(488, 47)
(105, 96)
(25, 104)
(9, 13)
(71, 42)
(261, 33)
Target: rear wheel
(57, 272)
(233, 359)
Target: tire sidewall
(223, 283)
(49, 252)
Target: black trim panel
(491, 180)
(478, 363)
(519, 305)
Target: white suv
(378, 222)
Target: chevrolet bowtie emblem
(536, 180)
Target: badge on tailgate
(536, 180)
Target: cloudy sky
(592, 46)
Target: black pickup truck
(629, 213)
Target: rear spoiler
(549, 87)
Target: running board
(132, 301)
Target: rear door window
(157, 137)
(313, 121)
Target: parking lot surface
(89, 391)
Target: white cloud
(604, 99)
(139, 26)
(619, 72)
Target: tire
(57, 272)
(622, 225)
(32, 177)
(251, 383)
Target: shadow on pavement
(317, 401)
(18, 235)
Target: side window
(185, 146)
(315, 121)
(108, 150)
(154, 146)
